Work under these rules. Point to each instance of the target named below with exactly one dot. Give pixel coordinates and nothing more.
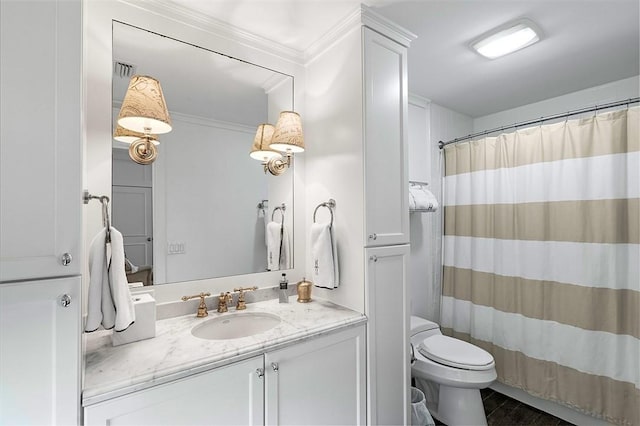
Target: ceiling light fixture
(507, 39)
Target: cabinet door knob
(373, 237)
(374, 258)
(260, 372)
(275, 367)
(65, 300)
(66, 259)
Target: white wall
(420, 265)
(194, 200)
(334, 159)
(598, 95)
(425, 267)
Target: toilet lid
(455, 353)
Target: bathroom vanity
(308, 369)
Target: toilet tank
(422, 328)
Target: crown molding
(217, 27)
(362, 15)
(418, 100)
(386, 27)
(202, 121)
(318, 47)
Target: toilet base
(458, 406)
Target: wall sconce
(129, 136)
(271, 159)
(286, 137)
(144, 112)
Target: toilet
(451, 373)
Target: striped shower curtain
(541, 259)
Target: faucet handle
(241, 302)
(202, 308)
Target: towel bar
(104, 200)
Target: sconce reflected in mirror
(129, 136)
(270, 142)
(143, 114)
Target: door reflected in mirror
(201, 210)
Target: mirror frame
(97, 127)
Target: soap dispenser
(284, 286)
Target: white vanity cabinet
(229, 395)
(388, 335)
(385, 141)
(40, 149)
(40, 211)
(319, 382)
(39, 352)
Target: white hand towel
(273, 246)
(122, 301)
(285, 254)
(109, 301)
(324, 255)
(266, 223)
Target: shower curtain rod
(541, 120)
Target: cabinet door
(387, 308)
(319, 382)
(229, 395)
(40, 352)
(386, 141)
(40, 148)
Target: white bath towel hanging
(110, 302)
(324, 255)
(278, 247)
(285, 249)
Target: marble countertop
(111, 371)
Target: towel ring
(282, 208)
(330, 205)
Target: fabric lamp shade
(260, 149)
(144, 109)
(288, 135)
(129, 136)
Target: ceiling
(584, 43)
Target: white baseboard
(555, 409)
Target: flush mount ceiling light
(507, 39)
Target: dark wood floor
(502, 410)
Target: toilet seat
(455, 353)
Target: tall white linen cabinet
(40, 211)
(357, 126)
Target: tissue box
(145, 325)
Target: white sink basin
(234, 326)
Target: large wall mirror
(200, 210)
